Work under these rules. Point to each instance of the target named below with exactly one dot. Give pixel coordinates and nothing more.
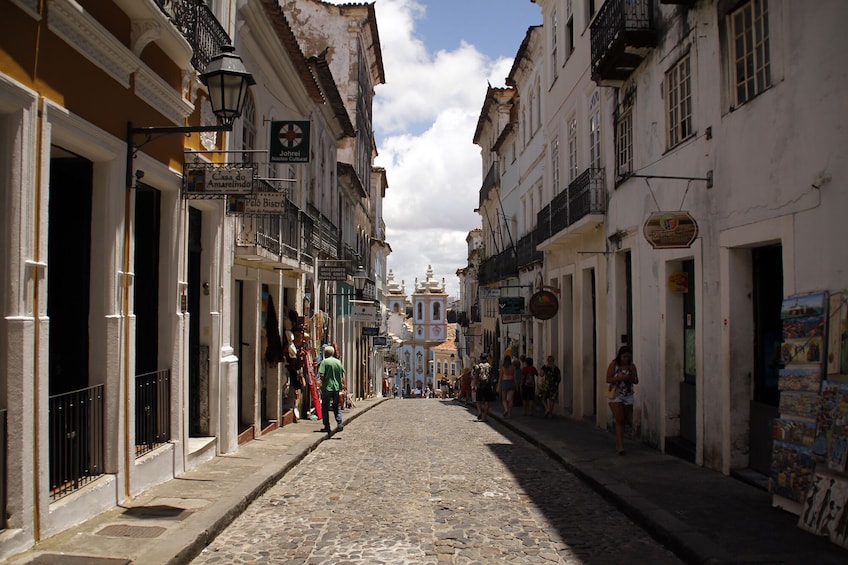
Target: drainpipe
(37, 265)
(125, 309)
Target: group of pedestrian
(478, 385)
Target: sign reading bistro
(670, 230)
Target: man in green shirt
(332, 373)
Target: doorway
(590, 345)
(681, 327)
(198, 360)
(69, 260)
(767, 267)
(146, 285)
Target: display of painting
(811, 435)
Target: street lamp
(227, 81)
(360, 277)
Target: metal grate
(135, 532)
(152, 411)
(76, 439)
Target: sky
(438, 56)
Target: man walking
(331, 372)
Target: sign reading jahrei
(217, 180)
(289, 142)
(671, 230)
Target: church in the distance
(425, 346)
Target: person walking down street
(507, 384)
(331, 371)
(465, 386)
(482, 384)
(549, 394)
(621, 376)
(528, 385)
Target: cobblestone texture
(422, 482)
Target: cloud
(424, 120)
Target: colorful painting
(802, 432)
(837, 345)
(810, 326)
(804, 306)
(791, 470)
(802, 351)
(838, 452)
(832, 424)
(800, 404)
(825, 510)
(800, 378)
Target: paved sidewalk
(701, 515)
(172, 522)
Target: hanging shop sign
(365, 312)
(289, 142)
(489, 292)
(336, 271)
(206, 180)
(369, 331)
(380, 340)
(258, 204)
(678, 283)
(670, 230)
(544, 305)
(508, 305)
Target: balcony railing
(325, 237)
(199, 26)
(152, 411)
(585, 195)
(622, 32)
(526, 250)
(76, 439)
(498, 267)
(491, 182)
(3, 469)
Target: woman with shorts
(621, 376)
(507, 384)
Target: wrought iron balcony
(498, 267)
(77, 441)
(152, 411)
(199, 26)
(526, 250)
(491, 182)
(325, 236)
(585, 195)
(622, 34)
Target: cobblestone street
(421, 481)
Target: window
(438, 366)
(420, 314)
(437, 311)
(624, 138)
(555, 166)
(538, 103)
(554, 59)
(749, 32)
(569, 37)
(595, 139)
(572, 149)
(679, 101)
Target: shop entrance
(590, 345)
(682, 391)
(767, 267)
(146, 282)
(198, 360)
